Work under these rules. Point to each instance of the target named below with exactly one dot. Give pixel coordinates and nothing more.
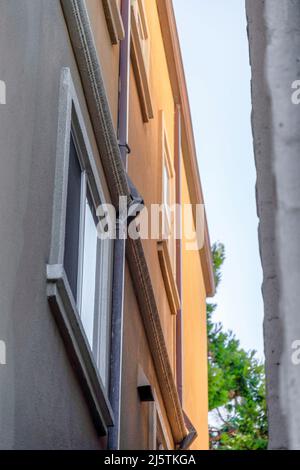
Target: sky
(214, 46)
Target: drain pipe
(124, 82)
(179, 352)
(192, 432)
(120, 243)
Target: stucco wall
(145, 169)
(107, 52)
(135, 418)
(195, 378)
(145, 160)
(41, 404)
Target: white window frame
(61, 299)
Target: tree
(236, 381)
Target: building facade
(105, 339)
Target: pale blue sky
(215, 52)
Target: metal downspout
(192, 432)
(120, 244)
(179, 352)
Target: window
(168, 190)
(114, 20)
(167, 198)
(143, 34)
(157, 433)
(80, 265)
(161, 443)
(140, 55)
(90, 279)
(83, 261)
(167, 244)
(73, 220)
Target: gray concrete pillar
(282, 69)
(262, 124)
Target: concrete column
(283, 68)
(274, 33)
(262, 124)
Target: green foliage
(236, 384)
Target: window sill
(63, 307)
(168, 276)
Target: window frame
(166, 246)
(140, 63)
(168, 219)
(156, 420)
(168, 222)
(143, 30)
(156, 427)
(114, 20)
(59, 293)
(102, 265)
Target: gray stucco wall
(274, 34)
(41, 404)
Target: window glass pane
(104, 310)
(73, 219)
(89, 270)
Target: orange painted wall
(195, 378)
(145, 169)
(145, 161)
